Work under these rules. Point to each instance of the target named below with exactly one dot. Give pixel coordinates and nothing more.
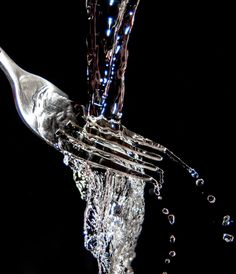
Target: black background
(179, 92)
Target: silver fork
(66, 126)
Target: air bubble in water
(165, 211)
(171, 219)
(167, 261)
(211, 199)
(199, 182)
(172, 253)
(226, 220)
(228, 238)
(172, 239)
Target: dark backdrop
(179, 92)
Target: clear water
(115, 205)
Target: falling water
(110, 24)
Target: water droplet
(193, 173)
(172, 239)
(159, 197)
(157, 191)
(199, 182)
(165, 211)
(164, 272)
(228, 238)
(211, 199)
(171, 219)
(167, 261)
(172, 253)
(227, 220)
(66, 160)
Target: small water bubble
(228, 238)
(172, 239)
(211, 199)
(165, 211)
(199, 182)
(167, 261)
(227, 220)
(172, 253)
(171, 219)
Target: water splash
(114, 198)
(115, 206)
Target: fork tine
(93, 149)
(114, 141)
(80, 152)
